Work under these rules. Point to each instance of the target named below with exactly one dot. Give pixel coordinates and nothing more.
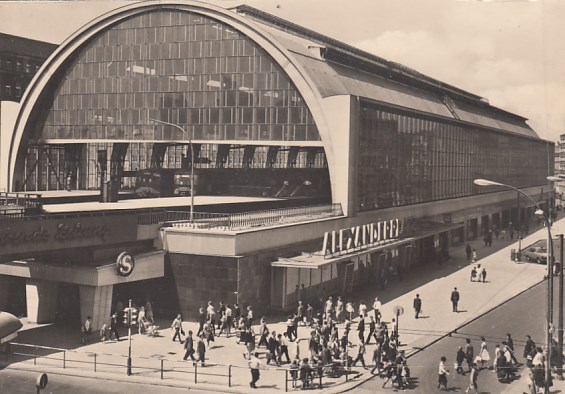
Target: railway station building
(159, 84)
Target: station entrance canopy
(148, 265)
(317, 260)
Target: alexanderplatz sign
(357, 238)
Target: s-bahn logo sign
(356, 238)
(125, 264)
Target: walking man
(417, 305)
(361, 350)
(484, 275)
(361, 327)
(114, 327)
(455, 299)
(510, 344)
(469, 353)
(189, 347)
(372, 327)
(177, 326)
(469, 252)
(254, 365)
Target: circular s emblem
(125, 264)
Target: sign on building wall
(22, 238)
(352, 239)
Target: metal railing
(247, 220)
(163, 368)
(24, 201)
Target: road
(525, 314)
(14, 382)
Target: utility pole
(560, 317)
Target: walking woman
(485, 356)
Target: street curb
(364, 380)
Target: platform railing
(270, 217)
(23, 201)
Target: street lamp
(184, 133)
(560, 297)
(549, 328)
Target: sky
(511, 52)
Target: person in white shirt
(229, 320)
(86, 329)
(362, 308)
(141, 320)
(377, 309)
(442, 374)
(254, 365)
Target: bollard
(229, 375)
(195, 373)
(285, 380)
(162, 369)
(94, 362)
(64, 359)
(34, 355)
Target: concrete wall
(200, 279)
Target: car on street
(536, 254)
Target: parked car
(535, 253)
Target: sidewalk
(505, 280)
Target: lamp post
(549, 326)
(184, 133)
(560, 296)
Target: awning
(316, 260)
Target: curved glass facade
(177, 67)
(408, 159)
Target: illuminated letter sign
(360, 237)
(125, 264)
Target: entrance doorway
(68, 305)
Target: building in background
(560, 168)
(270, 109)
(20, 58)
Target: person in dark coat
(114, 327)
(201, 350)
(454, 299)
(201, 321)
(361, 328)
(417, 305)
(469, 252)
(510, 344)
(189, 347)
(372, 327)
(460, 357)
(273, 346)
(529, 346)
(469, 353)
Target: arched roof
(255, 32)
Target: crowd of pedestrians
(324, 329)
